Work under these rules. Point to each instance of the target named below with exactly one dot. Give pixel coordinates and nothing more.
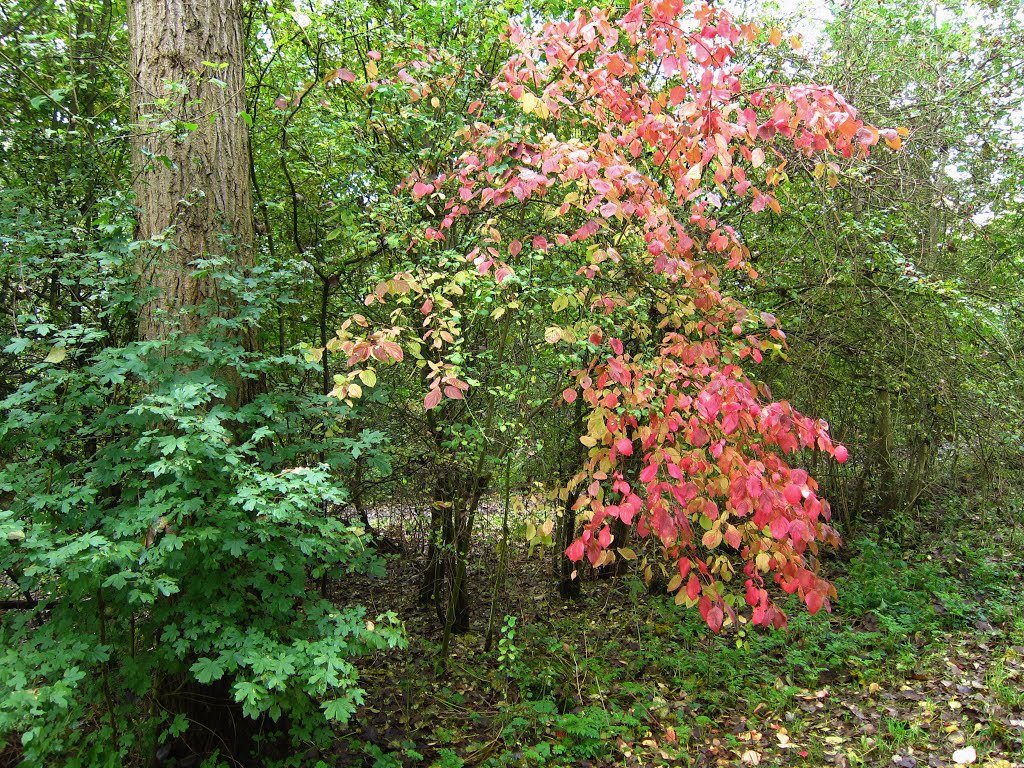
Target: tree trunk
(191, 145)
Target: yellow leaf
(529, 102)
(775, 36)
(368, 377)
(552, 334)
(435, 102)
(57, 354)
(588, 441)
(354, 390)
(371, 69)
(560, 303)
(627, 553)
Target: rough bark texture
(192, 150)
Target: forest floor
(921, 663)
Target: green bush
(165, 542)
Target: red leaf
(842, 454)
(624, 446)
(432, 399)
(693, 587)
(569, 395)
(616, 346)
(454, 393)
(715, 619)
(814, 602)
(575, 551)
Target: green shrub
(170, 539)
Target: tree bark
(191, 146)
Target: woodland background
(225, 543)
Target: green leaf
(207, 670)
(339, 710)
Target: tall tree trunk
(191, 146)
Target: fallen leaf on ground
(965, 756)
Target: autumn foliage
(636, 139)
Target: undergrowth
(630, 678)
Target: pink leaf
(432, 399)
(624, 446)
(715, 619)
(419, 189)
(569, 395)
